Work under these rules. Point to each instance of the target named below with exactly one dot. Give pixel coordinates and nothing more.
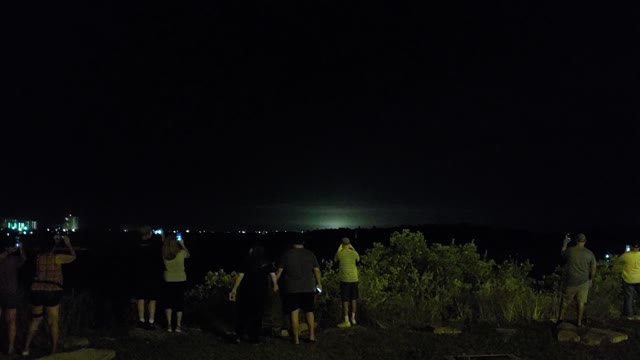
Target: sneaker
(344, 324)
(151, 326)
(353, 321)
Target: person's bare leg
(580, 313)
(353, 311)
(152, 311)
(168, 313)
(311, 321)
(10, 317)
(34, 324)
(345, 310)
(140, 303)
(53, 316)
(295, 326)
(179, 319)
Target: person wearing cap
(630, 278)
(578, 273)
(347, 257)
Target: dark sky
(306, 114)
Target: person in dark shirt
(578, 273)
(9, 264)
(148, 270)
(250, 289)
(301, 276)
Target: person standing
(174, 252)
(9, 264)
(148, 270)
(630, 278)
(47, 290)
(300, 271)
(347, 257)
(579, 272)
(250, 289)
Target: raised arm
(565, 242)
(184, 247)
(236, 284)
(65, 259)
(274, 281)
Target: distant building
(71, 223)
(20, 225)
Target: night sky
(229, 115)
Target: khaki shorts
(580, 292)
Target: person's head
(170, 247)
(581, 239)
(145, 232)
(635, 246)
(298, 242)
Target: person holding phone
(9, 264)
(578, 274)
(174, 252)
(147, 274)
(47, 289)
(347, 257)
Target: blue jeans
(629, 291)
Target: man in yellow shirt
(346, 257)
(630, 277)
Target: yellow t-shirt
(174, 268)
(631, 270)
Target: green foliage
(209, 302)
(411, 282)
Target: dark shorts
(173, 295)
(8, 301)
(46, 298)
(145, 289)
(349, 291)
(299, 301)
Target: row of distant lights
(203, 231)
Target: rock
(591, 339)
(567, 332)
(608, 335)
(446, 330)
(74, 342)
(83, 354)
(568, 336)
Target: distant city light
(48, 229)
(187, 231)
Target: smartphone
(179, 236)
(627, 248)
